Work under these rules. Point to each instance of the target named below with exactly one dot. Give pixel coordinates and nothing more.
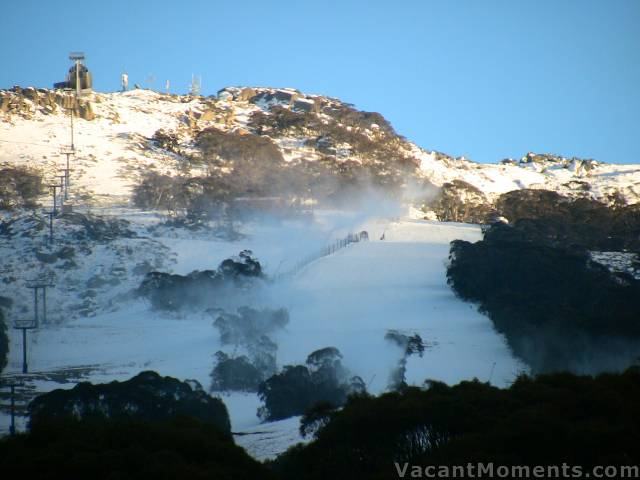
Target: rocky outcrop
(25, 102)
(579, 166)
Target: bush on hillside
(19, 187)
(459, 201)
(557, 308)
(181, 448)
(547, 420)
(299, 387)
(410, 345)
(234, 374)
(145, 397)
(201, 289)
(252, 162)
(548, 217)
(248, 329)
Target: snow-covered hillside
(347, 300)
(114, 147)
(98, 329)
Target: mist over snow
(320, 173)
(348, 300)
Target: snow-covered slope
(99, 331)
(114, 148)
(347, 300)
(567, 176)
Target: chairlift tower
(77, 58)
(62, 179)
(55, 188)
(24, 325)
(71, 114)
(51, 214)
(67, 177)
(40, 285)
(12, 389)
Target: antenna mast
(124, 79)
(196, 85)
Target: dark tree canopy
(548, 217)
(545, 420)
(235, 374)
(298, 388)
(201, 289)
(558, 309)
(145, 397)
(410, 345)
(459, 201)
(250, 330)
(182, 448)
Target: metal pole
(67, 180)
(51, 228)
(12, 428)
(55, 199)
(77, 78)
(73, 107)
(24, 350)
(62, 189)
(35, 304)
(44, 305)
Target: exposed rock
(278, 96)
(246, 94)
(86, 112)
(5, 101)
(22, 102)
(207, 116)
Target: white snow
(347, 300)
(114, 149)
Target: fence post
(327, 250)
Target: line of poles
(328, 250)
(59, 190)
(62, 187)
(12, 389)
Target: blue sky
(483, 79)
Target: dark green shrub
(19, 187)
(145, 397)
(298, 388)
(546, 420)
(235, 374)
(200, 289)
(182, 448)
(557, 308)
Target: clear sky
(483, 79)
